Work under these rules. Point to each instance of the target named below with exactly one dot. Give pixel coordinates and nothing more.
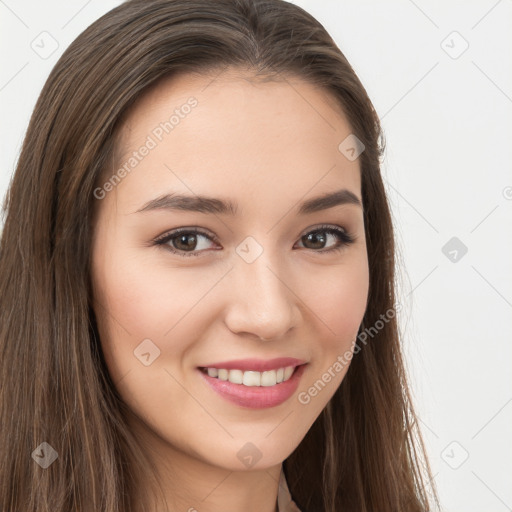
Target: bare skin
(268, 147)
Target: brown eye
(185, 242)
(318, 238)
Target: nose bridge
(262, 302)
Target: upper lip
(256, 365)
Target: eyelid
(190, 229)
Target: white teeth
(269, 378)
(251, 378)
(236, 376)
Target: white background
(447, 118)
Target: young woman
(197, 276)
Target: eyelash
(345, 238)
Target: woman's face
(261, 281)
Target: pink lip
(255, 397)
(255, 365)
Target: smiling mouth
(253, 389)
(251, 378)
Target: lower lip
(255, 397)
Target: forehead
(232, 132)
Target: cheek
(338, 307)
(139, 301)
(347, 304)
(341, 300)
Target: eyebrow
(204, 204)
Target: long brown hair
(364, 452)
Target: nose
(263, 301)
